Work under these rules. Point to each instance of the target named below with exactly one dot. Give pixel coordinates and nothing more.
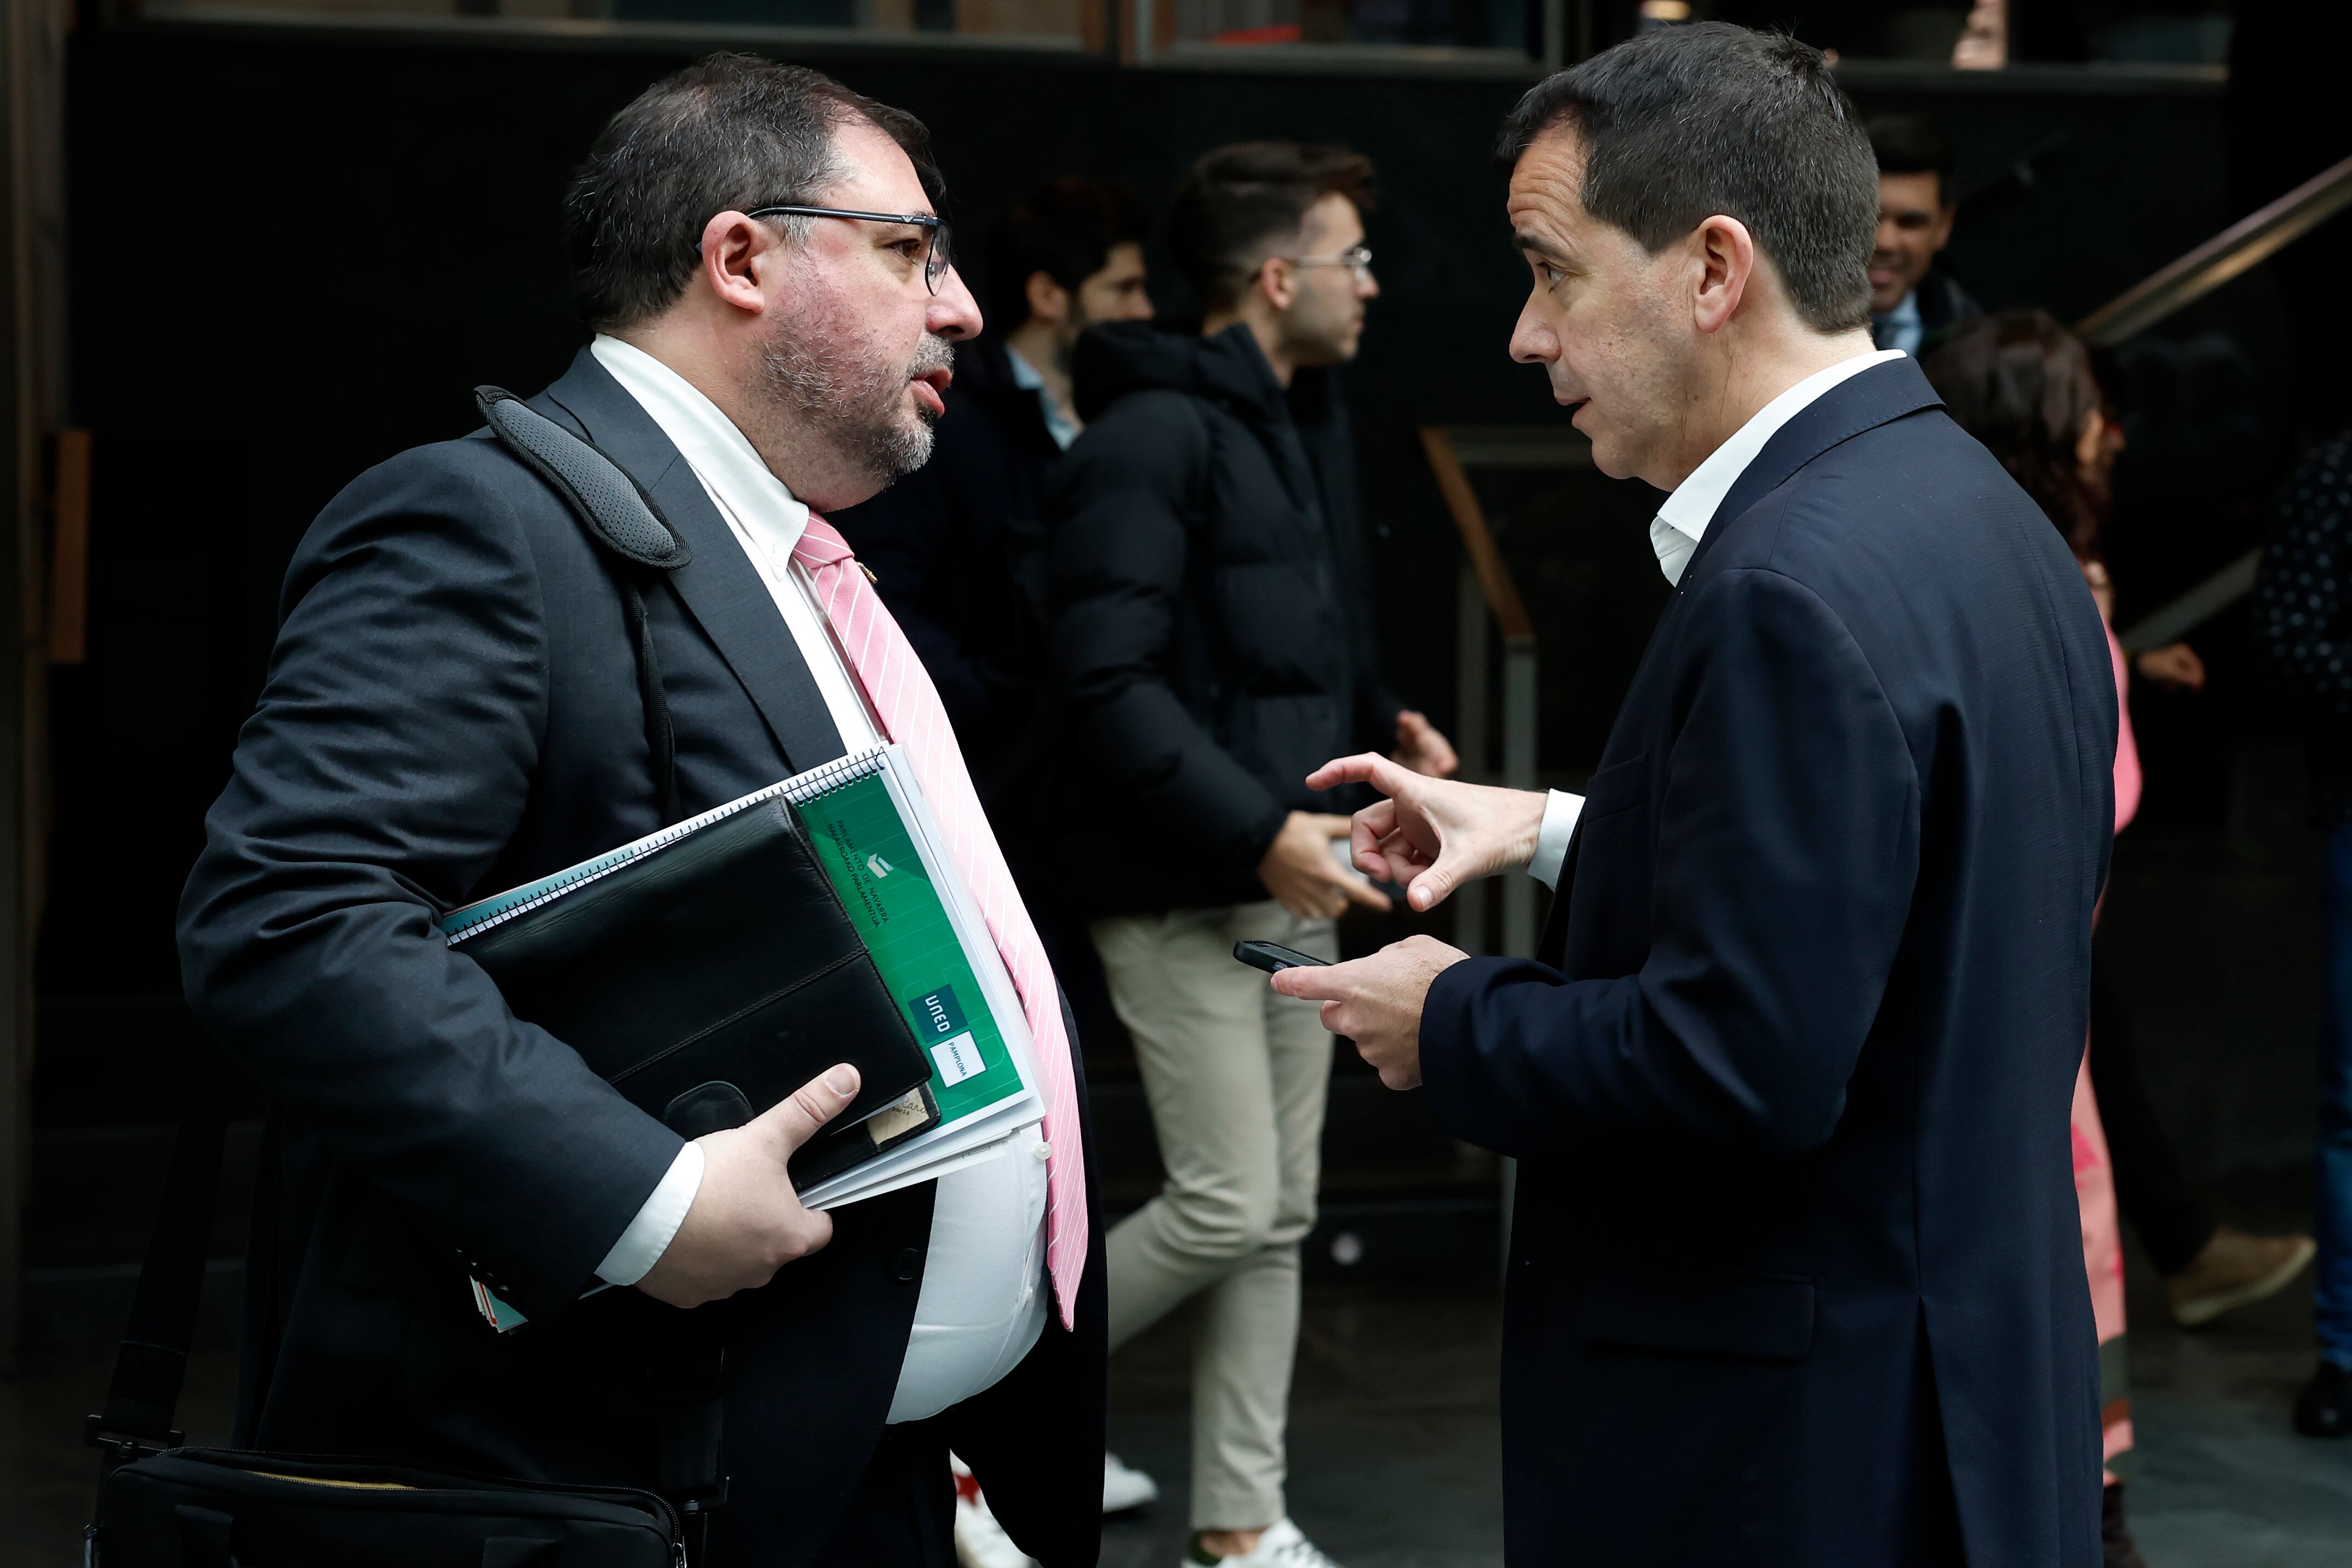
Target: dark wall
(318, 245)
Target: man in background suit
(1795, 1276)
(1913, 302)
(957, 552)
(452, 708)
(957, 546)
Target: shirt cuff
(648, 1234)
(1560, 813)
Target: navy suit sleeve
(387, 765)
(1787, 846)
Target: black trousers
(903, 1514)
(2151, 1188)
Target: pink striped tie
(909, 705)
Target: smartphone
(1274, 957)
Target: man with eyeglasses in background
(452, 708)
(1213, 630)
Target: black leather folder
(708, 979)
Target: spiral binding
(799, 790)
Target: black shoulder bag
(162, 1505)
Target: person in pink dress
(2023, 385)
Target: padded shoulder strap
(617, 511)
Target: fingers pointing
(1364, 768)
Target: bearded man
(453, 707)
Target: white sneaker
(1282, 1546)
(980, 1541)
(1124, 1488)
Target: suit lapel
(721, 586)
(1862, 401)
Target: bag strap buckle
(120, 1447)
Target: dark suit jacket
(958, 553)
(452, 708)
(1796, 1275)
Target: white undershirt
(1675, 534)
(983, 1303)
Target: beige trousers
(1237, 1078)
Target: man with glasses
(1213, 632)
(454, 706)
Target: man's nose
(954, 313)
(1367, 286)
(1532, 342)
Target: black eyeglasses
(936, 261)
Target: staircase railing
(1485, 595)
(2244, 245)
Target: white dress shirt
(983, 1299)
(1675, 534)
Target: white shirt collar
(757, 508)
(722, 456)
(1685, 514)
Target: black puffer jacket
(1212, 617)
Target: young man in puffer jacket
(1212, 631)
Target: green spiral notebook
(868, 849)
(874, 840)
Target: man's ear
(1726, 258)
(1278, 281)
(1049, 302)
(734, 250)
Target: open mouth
(928, 388)
(1575, 406)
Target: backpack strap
(627, 529)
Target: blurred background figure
(957, 546)
(2023, 385)
(1213, 631)
(2302, 628)
(959, 553)
(1913, 302)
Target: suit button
(905, 1265)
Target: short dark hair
(1065, 229)
(729, 131)
(2024, 385)
(1681, 123)
(1241, 195)
(1913, 144)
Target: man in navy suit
(1795, 1275)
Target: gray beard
(857, 409)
